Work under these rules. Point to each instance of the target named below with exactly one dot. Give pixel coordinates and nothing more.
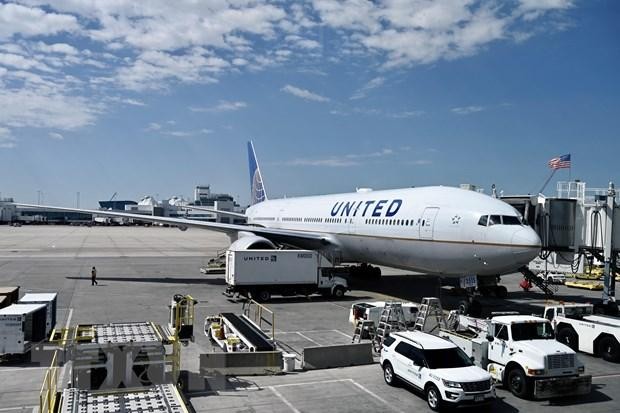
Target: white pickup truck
(521, 353)
(576, 326)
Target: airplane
(433, 230)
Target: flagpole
(547, 181)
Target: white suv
(437, 367)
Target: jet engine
(250, 241)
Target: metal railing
(47, 396)
(255, 312)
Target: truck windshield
(531, 331)
(577, 312)
(447, 358)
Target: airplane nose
(525, 245)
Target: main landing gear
(487, 287)
(365, 271)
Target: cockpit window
(483, 220)
(510, 220)
(495, 220)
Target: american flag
(560, 162)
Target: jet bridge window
(483, 220)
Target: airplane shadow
(413, 287)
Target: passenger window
(415, 355)
(501, 331)
(483, 220)
(403, 349)
(388, 341)
(495, 220)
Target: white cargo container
(261, 273)
(50, 300)
(21, 327)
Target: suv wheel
(433, 398)
(388, 374)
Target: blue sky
(152, 98)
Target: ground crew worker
(93, 277)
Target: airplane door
(427, 224)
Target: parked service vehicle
(577, 327)
(371, 311)
(553, 277)
(437, 367)
(520, 352)
(261, 273)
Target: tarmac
(140, 269)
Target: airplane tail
(256, 180)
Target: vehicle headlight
(451, 384)
(535, 372)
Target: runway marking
(307, 338)
(382, 400)
(22, 369)
(606, 376)
(309, 383)
(279, 395)
(341, 333)
(69, 317)
(314, 331)
(63, 369)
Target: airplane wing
(309, 240)
(215, 211)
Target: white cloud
(351, 159)
(27, 21)
(304, 94)
(153, 69)
(21, 62)
(56, 135)
(467, 110)
(406, 114)
(372, 84)
(41, 107)
(145, 46)
(222, 106)
(7, 141)
(421, 162)
(178, 134)
(412, 32)
(153, 126)
(133, 102)
(62, 48)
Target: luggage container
(21, 327)
(8, 296)
(50, 300)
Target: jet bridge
(580, 223)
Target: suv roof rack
(399, 334)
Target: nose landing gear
(487, 287)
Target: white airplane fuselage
(429, 229)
